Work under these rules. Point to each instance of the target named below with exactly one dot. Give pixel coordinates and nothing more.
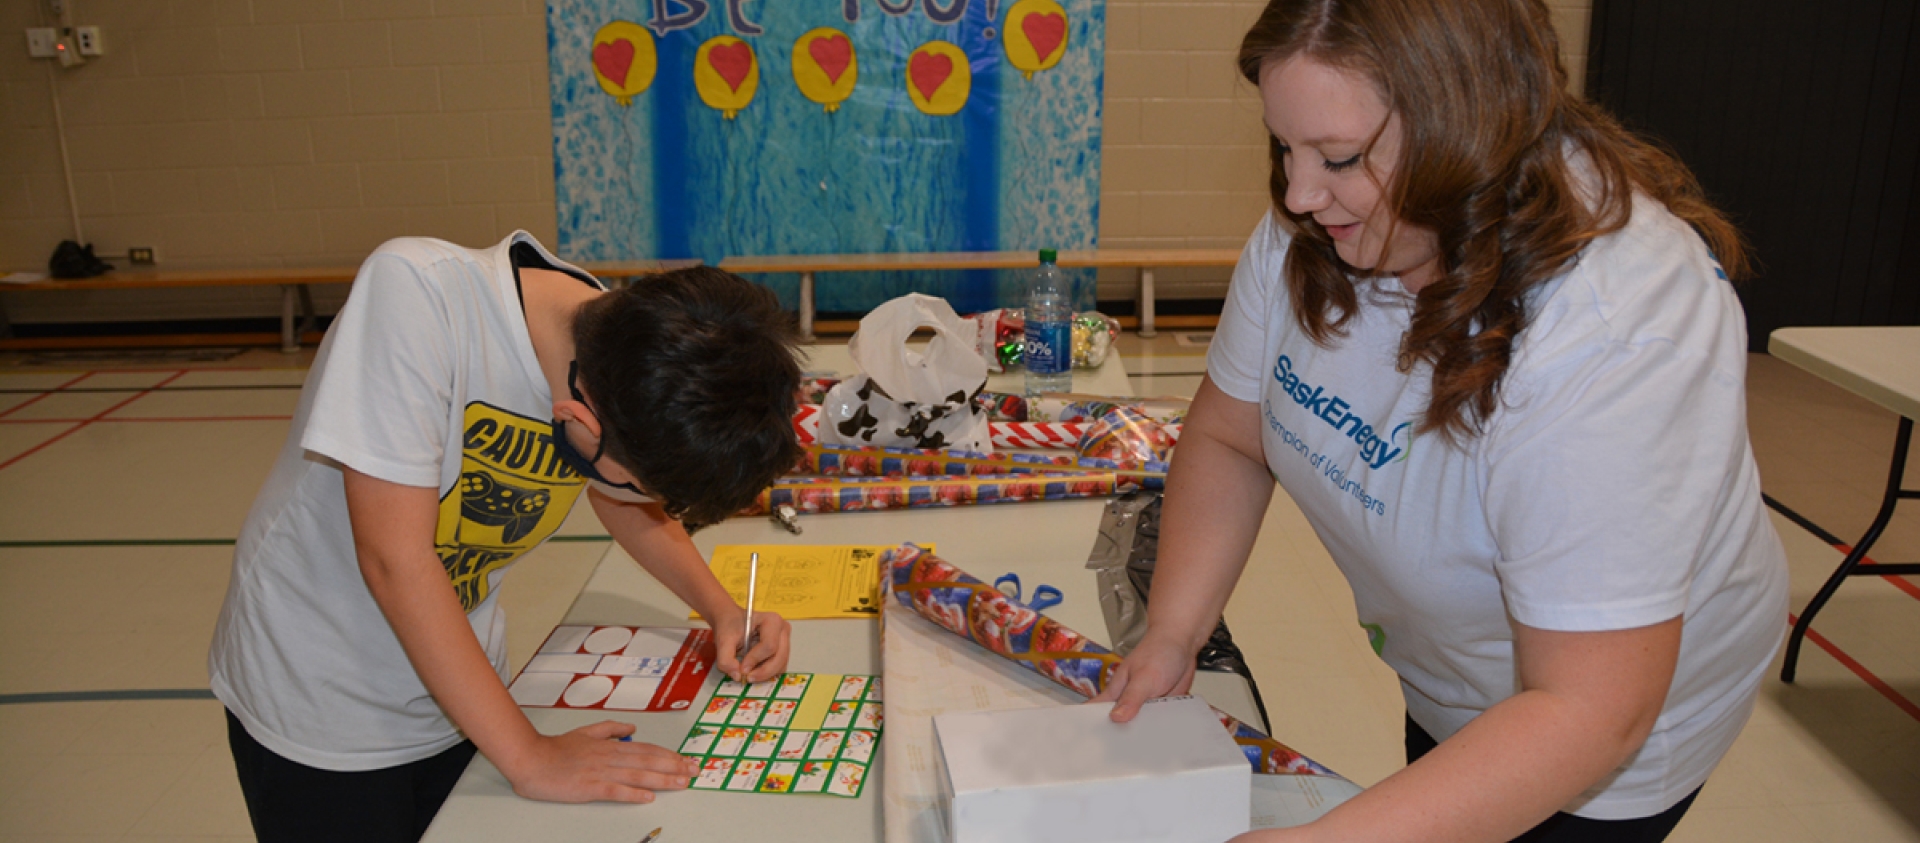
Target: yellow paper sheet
(805, 581)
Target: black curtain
(1802, 119)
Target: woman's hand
(592, 764)
(1157, 667)
(772, 641)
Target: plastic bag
(907, 398)
(1125, 434)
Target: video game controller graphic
(516, 511)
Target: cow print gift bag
(909, 398)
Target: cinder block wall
(246, 133)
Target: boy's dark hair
(694, 377)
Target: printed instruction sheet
(805, 581)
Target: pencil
(746, 636)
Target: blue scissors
(1044, 596)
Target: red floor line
(29, 402)
(196, 419)
(1859, 670)
(69, 431)
(1897, 581)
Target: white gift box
(1065, 774)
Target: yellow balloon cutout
(825, 67)
(1035, 35)
(726, 73)
(939, 79)
(624, 60)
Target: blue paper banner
(715, 128)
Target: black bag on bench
(72, 260)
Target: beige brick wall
(305, 132)
(273, 133)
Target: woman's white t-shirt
(1613, 488)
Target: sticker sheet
(621, 668)
(797, 733)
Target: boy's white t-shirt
(1613, 488)
(426, 378)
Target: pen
(746, 637)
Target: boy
(362, 639)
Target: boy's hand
(767, 659)
(591, 764)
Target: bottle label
(1049, 347)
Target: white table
(1044, 542)
(1882, 365)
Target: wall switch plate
(68, 52)
(41, 41)
(88, 37)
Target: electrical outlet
(140, 255)
(41, 41)
(88, 37)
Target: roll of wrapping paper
(1054, 436)
(857, 461)
(1057, 436)
(808, 495)
(960, 603)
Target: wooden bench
(1145, 260)
(297, 318)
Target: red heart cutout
(929, 71)
(732, 62)
(1044, 32)
(613, 59)
(833, 53)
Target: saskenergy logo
(1332, 409)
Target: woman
(1484, 343)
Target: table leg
(289, 336)
(309, 319)
(806, 307)
(1146, 303)
(1850, 566)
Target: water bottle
(1049, 351)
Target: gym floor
(123, 481)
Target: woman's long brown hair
(1487, 124)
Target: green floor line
(108, 696)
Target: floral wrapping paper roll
(855, 461)
(809, 495)
(960, 603)
(905, 461)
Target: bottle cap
(1048, 256)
